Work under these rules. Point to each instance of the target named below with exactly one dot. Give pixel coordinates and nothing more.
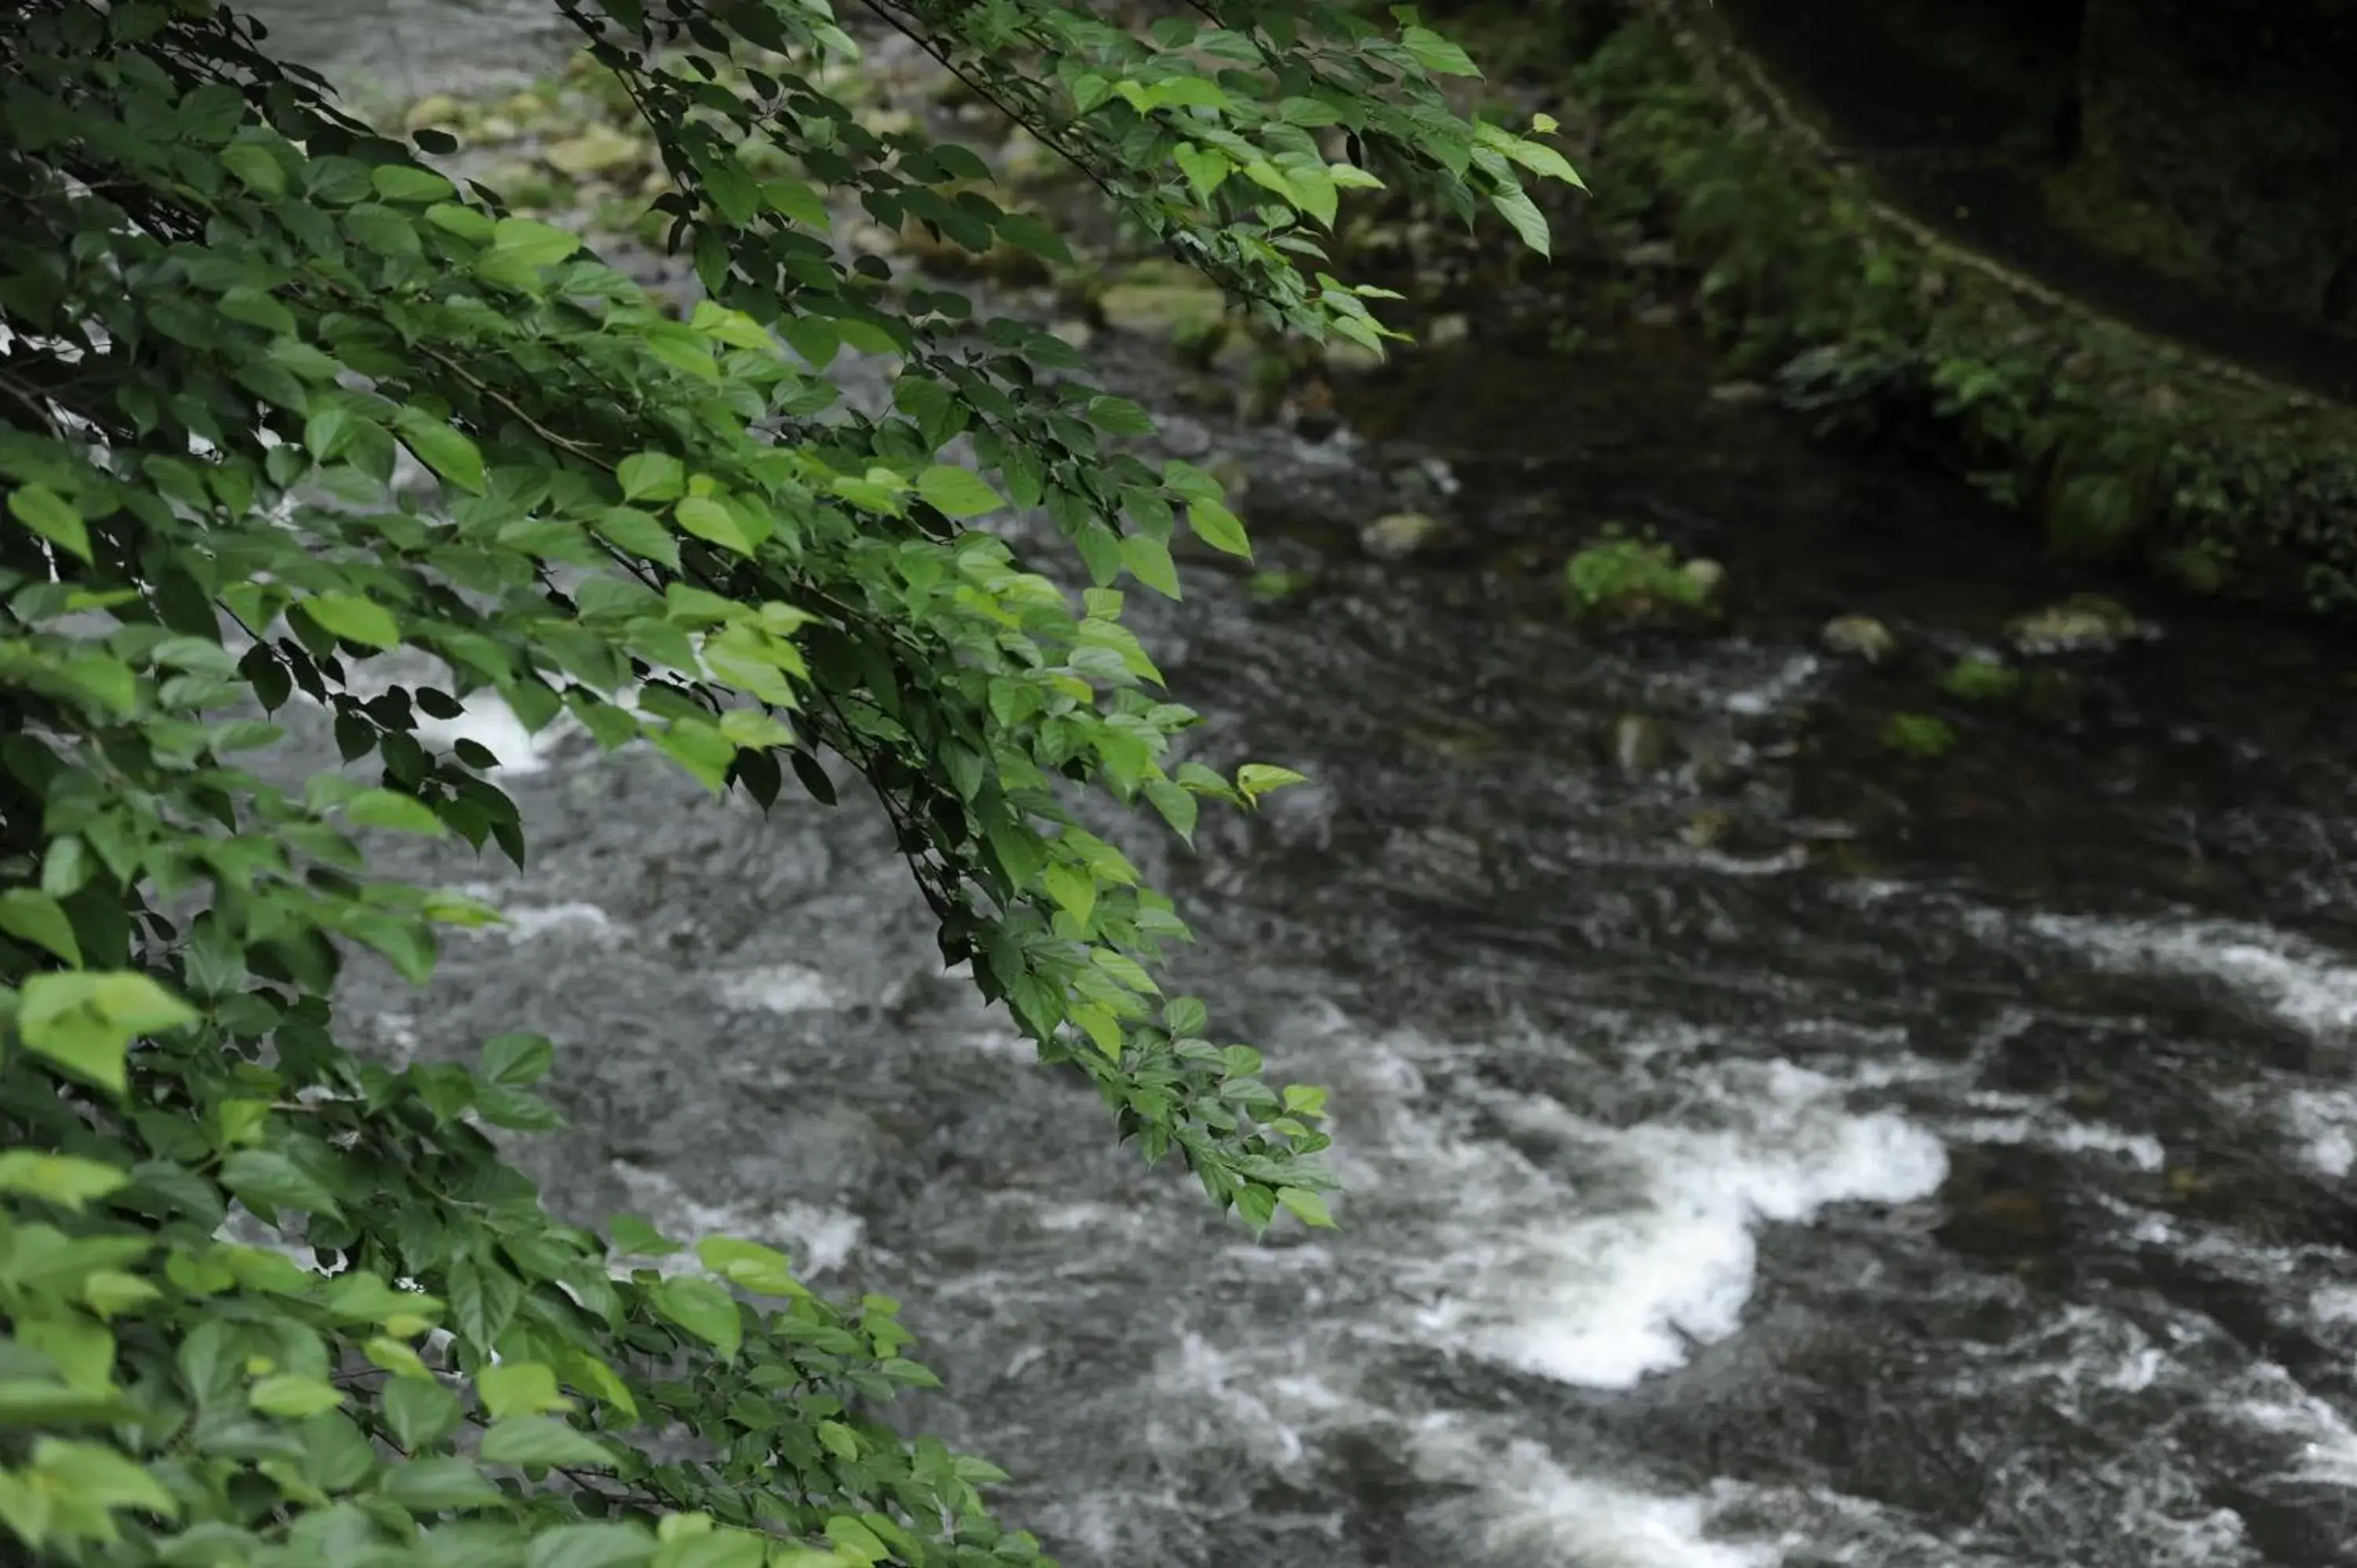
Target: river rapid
(1763, 1150)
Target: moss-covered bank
(2122, 446)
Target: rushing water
(1947, 1167)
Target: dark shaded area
(2183, 165)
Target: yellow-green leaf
(394, 810)
(293, 1396)
(84, 1021)
(65, 1180)
(708, 518)
(1307, 1206)
(41, 919)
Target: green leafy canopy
(229, 309)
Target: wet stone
(1859, 636)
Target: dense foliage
(229, 310)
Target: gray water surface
(1948, 1167)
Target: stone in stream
(1642, 745)
(1160, 309)
(598, 149)
(1861, 637)
(1398, 535)
(2084, 623)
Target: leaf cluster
(290, 417)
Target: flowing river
(1763, 1150)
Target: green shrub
(229, 308)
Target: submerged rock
(2084, 623)
(600, 149)
(1446, 331)
(1642, 745)
(439, 111)
(1161, 309)
(1401, 534)
(1860, 636)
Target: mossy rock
(1859, 636)
(1631, 581)
(2084, 623)
(1161, 309)
(597, 150)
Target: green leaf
(451, 454)
(708, 518)
(716, 1549)
(84, 1021)
(520, 1388)
(28, 1403)
(1254, 779)
(1148, 560)
(748, 1265)
(483, 1301)
(48, 514)
(856, 1541)
(66, 1180)
(408, 183)
(639, 533)
(517, 1062)
(1216, 526)
(363, 1297)
(41, 919)
(255, 167)
(704, 1309)
(651, 476)
(527, 243)
(541, 1440)
(1206, 169)
(99, 1477)
(634, 1235)
(418, 1411)
(956, 492)
(1437, 54)
(293, 1396)
(354, 619)
(265, 1177)
(440, 1486)
(391, 809)
(1528, 221)
(590, 1546)
(1307, 1206)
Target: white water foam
(1498, 1497)
(1601, 1279)
(783, 988)
(2045, 1128)
(2324, 1121)
(2309, 987)
(491, 724)
(1527, 1508)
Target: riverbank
(2122, 446)
(1714, 202)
